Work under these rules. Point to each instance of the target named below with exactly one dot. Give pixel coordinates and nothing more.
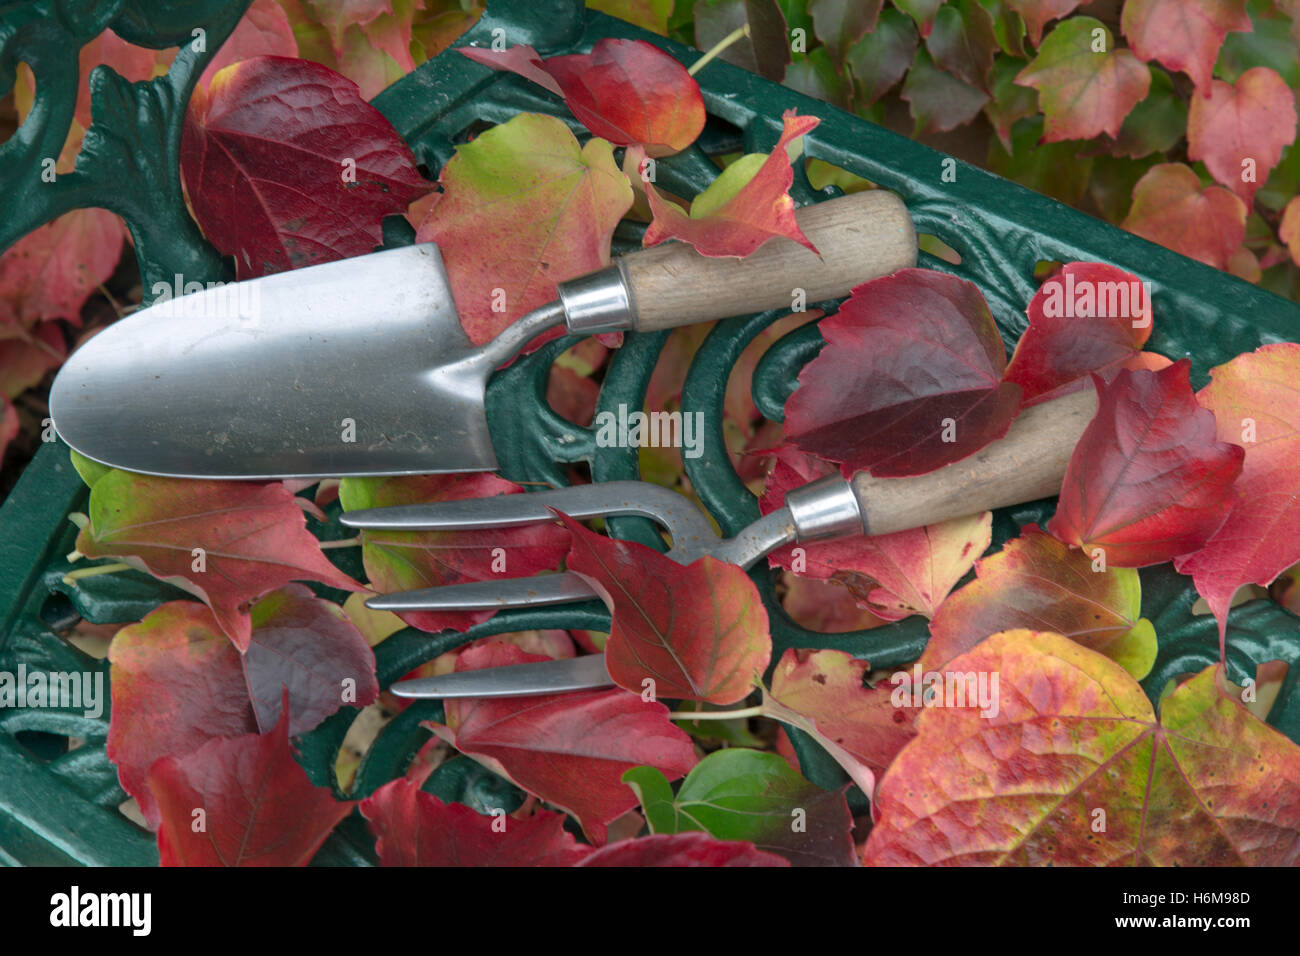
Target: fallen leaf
(750, 796)
(910, 378)
(1089, 317)
(410, 560)
(269, 125)
(227, 543)
(51, 271)
(1207, 784)
(1241, 128)
(415, 828)
(748, 204)
(1183, 34)
(1255, 400)
(1171, 208)
(25, 358)
(697, 632)
(1148, 481)
(570, 750)
(1037, 583)
(829, 688)
(1084, 92)
(523, 207)
(263, 30)
(681, 849)
(626, 91)
(259, 808)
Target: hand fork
(1027, 464)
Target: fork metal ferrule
(825, 509)
(597, 302)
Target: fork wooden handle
(860, 236)
(1026, 464)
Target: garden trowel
(361, 367)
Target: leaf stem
(73, 576)
(342, 543)
(716, 714)
(730, 38)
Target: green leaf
(90, 471)
(1056, 169)
(1271, 45)
(814, 75)
(1156, 123)
(880, 58)
(739, 794)
(939, 101)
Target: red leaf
(910, 359)
(287, 166)
(1089, 317)
(1255, 399)
(742, 215)
(682, 849)
(626, 91)
(1171, 208)
(1242, 127)
(25, 358)
(178, 682)
(570, 750)
(523, 207)
(228, 543)
(308, 646)
(414, 828)
(892, 575)
(829, 688)
(1084, 92)
(49, 273)
(1183, 34)
(1148, 481)
(259, 807)
(1037, 13)
(410, 560)
(698, 632)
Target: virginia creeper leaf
(892, 575)
(1084, 91)
(1088, 317)
(263, 30)
(227, 543)
(748, 204)
(1183, 34)
(523, 207)
(938, 100)
(841, 23)
(570, 750)
(1206, 784)
(697, 632)
(1148, 481)
(287, 166)
(310, 647)
(1011, 102)
(765, 51)
(880, 58)
(1171, 208)
(50, 272)
(1036, 583)
(1255, 399)
(681, 849)
(1155, 125)
(909, 380)
(1240, 129)
(338, 15)
(410, 560)
(260, 809)
(829, 688)
(740, 794)
(922, 11)
(1037, 13)
(625, 91)
(963, 43)
(650, 15)
(177, 683)
(414, 828)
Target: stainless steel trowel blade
(358, 367)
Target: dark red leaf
(682, 849)
(910, 378)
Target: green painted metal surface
(58, 805)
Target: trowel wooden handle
(860, 236)
(1026, 464)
